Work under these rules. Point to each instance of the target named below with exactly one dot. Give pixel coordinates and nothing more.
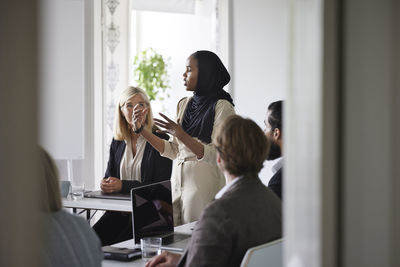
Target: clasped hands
(111, 185)
(168, 125)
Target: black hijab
(198, 119)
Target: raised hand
(169, 126)
(139, 116)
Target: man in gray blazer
(244, 213)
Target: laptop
(100, 194)
(152, 213)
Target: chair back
(65, 188)
(266, 255)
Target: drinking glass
(77, 189)
(77, 183)
(151, 246)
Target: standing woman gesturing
(195, 177)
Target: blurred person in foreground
(69, 240)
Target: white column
(310, 137)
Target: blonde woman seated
(69, 240)
(244, 214)
(132, 162)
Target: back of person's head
(275, 115)
(50, 187)
(242, 146)
(121, 127)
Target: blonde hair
(50, 185)
(121, 126)
(242, 145)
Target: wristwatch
(140, 129)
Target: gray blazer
(69, 241)
(247, 215)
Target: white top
(131, 165)
(278, 165)
(226, 187)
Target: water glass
(151, 246)
(77, 189)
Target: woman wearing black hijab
(195, 177)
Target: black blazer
(276, 183)
(154, 168)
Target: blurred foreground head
(49, 183)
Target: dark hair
(275, 117)
(242, 145)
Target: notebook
(121, 254)
(100, 194)
(152, 213)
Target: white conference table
(122, 205)
(185, 229)
(97, 204)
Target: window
(174, 35)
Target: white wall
(62, 78)
(259, 58)
(66, 115)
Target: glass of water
(77, 183)
(77, 189)
(151, 246)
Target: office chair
(266, 255)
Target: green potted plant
(151, 73)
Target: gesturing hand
(169, 126)
(139, 116)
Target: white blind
(177, 6)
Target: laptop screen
(152, 213)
